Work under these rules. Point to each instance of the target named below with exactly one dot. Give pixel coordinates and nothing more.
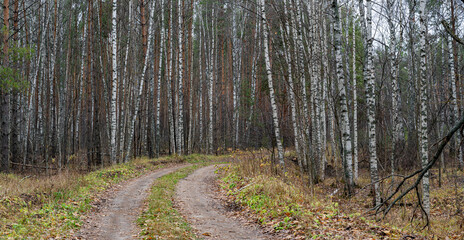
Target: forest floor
(192, 198)
(258, 191)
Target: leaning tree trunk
(267, 58)
(142, 81)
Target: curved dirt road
(194, 196)
(116, 219)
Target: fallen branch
(451, 32)
(419, 173)
(33, 166)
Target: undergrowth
(51, 207)
(283, 203)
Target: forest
(361, 99)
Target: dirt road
(116, 218)
(206, 214)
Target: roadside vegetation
(44, 207)
(285, 203)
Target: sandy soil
(195, 198)
(115, 217)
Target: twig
(420, 173)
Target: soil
(116, 214)
(196, 199)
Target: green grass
(52, 207)
(161, 220)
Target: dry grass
(284, 202)
(447, 212)
(446, 218)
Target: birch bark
(142, 81)
(345, 122)
(423, 128)
(371, 105)
(114, 86)
(280, 150)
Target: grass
(161, 220)
(284, 203)
(51, 207)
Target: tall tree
(344, 121)
(423, 128)
(371, 102)
(4, 93)
(114, 86)
(267, 59)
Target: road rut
(206, 214)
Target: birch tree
(114, 86)
(355, 105)
(267, 59)
(141, 84)
(394, 82)
(371, 102)
(158, 89)
(423, 128)
(345, 122)
(180, 118)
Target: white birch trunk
(200, 92)
(454, 103)
(371, 106)
(158, 90)
(297, 20)
(114, 86)
(256, 53)
(355, 107)
(192, 118)
(210, 86)
(172, 140)
(267, 58)
(395, 90)
(236, 76)
(142, 81)
(291, 89)
(180, 117)
(423, 133)
(344, 121)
